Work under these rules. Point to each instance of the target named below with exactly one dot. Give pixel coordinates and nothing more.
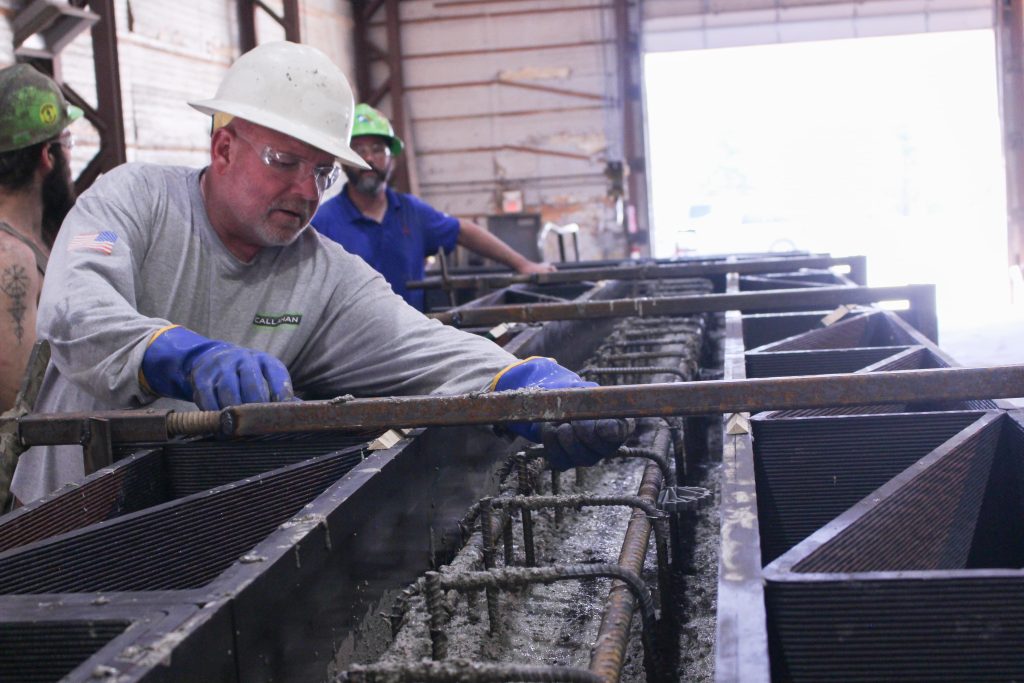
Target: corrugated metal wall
(171, 52)
(508, 95)
(516, 96)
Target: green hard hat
(32, 108)
(369, 121)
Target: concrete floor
(995, 338)
(991, 338)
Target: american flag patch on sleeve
(102, 242)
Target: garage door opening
(888, 147)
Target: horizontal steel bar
(772, 299)
(642, 271)
(132, 426)
(643, 400)
(646, 400)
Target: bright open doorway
(888, 147)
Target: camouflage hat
(32, 108)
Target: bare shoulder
(19, 277)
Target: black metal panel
(855, 331)
(809, 470)
(201, 465)
(134, 484)
(174, 546)
(915, 628)
(128, 639)
(160, 475)
(823, 362)
(754, 283)
(934, 604)
(999, 538)
(760, 329)
(48, 651)
(329, 572)
(924, 518)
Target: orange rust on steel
(644, 400)
(613, 635)
(643, 271)
(765, 300)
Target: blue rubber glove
(212, 374)
(572, 444)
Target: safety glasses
(291, 166)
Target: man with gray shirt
(205, 287)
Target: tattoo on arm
(14, 283)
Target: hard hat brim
(282, 125)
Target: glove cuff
(167, 364)
(535, 372)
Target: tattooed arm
(19, 292)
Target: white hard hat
(293, 89)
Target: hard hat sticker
(48, 113)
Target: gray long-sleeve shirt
(138, 253)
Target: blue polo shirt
(395, 247)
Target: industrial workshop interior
(610, 340)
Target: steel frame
(630, 78)
(107, 116)
(288, 20)
(646, 270)
(794, 585)
(347, 550)
(367, 53)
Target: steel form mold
(278, 610)
(868, 543)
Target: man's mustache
(303, 208)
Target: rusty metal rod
(460, 671)
(556, 489)
(643, 271)
(608, 654)
(643, 355)
(643, 343)
(487, 539)
(627, 578)
(650, 454)
(508, 541)
(767, 300)
(655, 330)
(435, 607)
(636, 370)
(525, 489)
(643, 400)
(657, 517)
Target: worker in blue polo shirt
(395, 232)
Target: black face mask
(58, 194)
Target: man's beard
(366, 182)
(58, 194)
